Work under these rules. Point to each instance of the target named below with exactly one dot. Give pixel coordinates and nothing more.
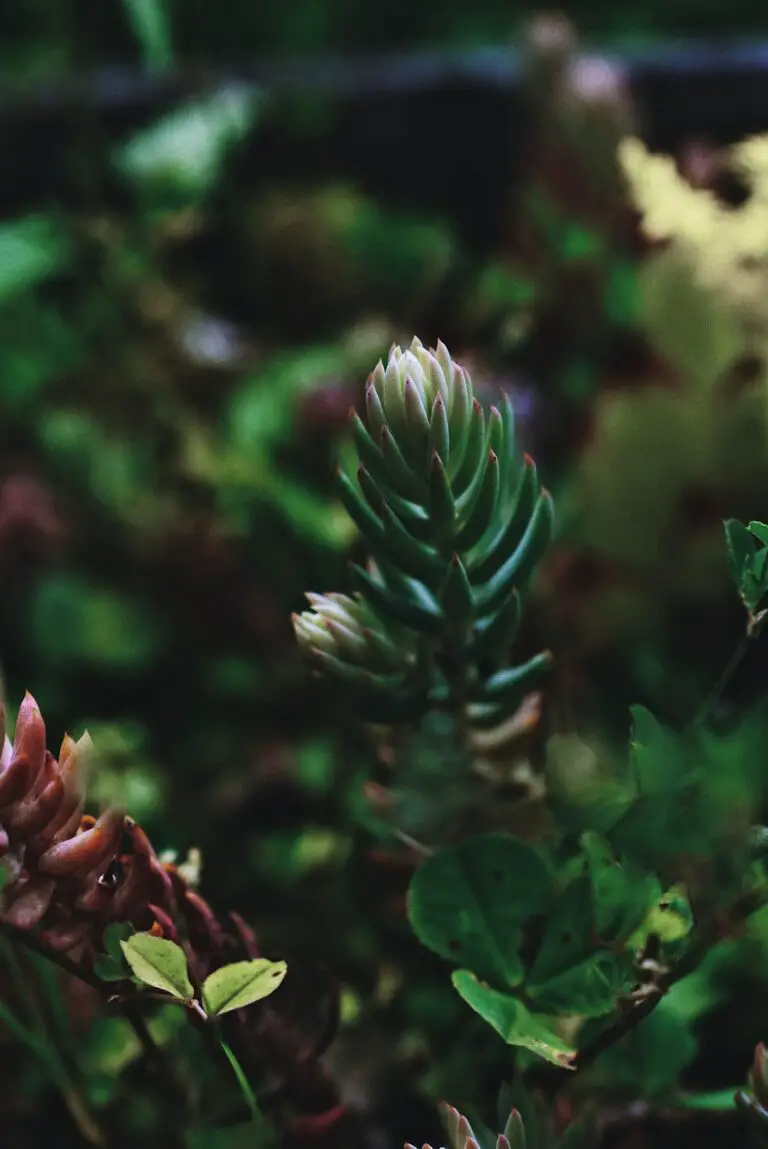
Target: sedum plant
(454, 519)
(566, 940)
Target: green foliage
(748, 561)
(469, 902)
(162, 964)
(158, 963)
(240, 983)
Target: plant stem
(245, 1088)
(751, 634)
(703, 939)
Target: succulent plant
(517, 1133)
(455, 519)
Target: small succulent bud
(404, 393)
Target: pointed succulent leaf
(459, 418)
(241, 983)
(493, 554)
(518, 567)
(456, 593)
(494, 634)
(439, 431)
(159, 963)
(508, 453)
(514, 1131)
(373, 408)
(358, 509)
(407, 482)
(416, 557)
(510, 686)
(358, 677)
(399, 607)
(441, 502)
(479, 516)
(414, 517)
(393, 397)
(417, 422)
(475, 451)
(513, 1021)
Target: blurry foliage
(177, 361)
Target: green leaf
(621, 894)
(742, 560)
(159, 963)
(510, 1018)
(241, 983)
(571, 974)
(468, 902)
(589, 989)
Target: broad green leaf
(159, 963)
(510, 1018)
(468, 902)
(240, 984)
(589, 989)
(621, 893)
(569, 934)
(571, 975)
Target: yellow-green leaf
(159, 963)
(241, 983)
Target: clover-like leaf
(747, 562)
(572, 974)
(512, 1020)
(241, 983)
(469, 901)
(159, 963)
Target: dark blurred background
(215, 219)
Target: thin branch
(705, 936)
